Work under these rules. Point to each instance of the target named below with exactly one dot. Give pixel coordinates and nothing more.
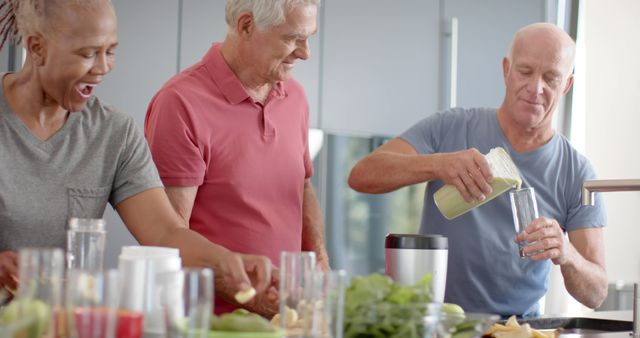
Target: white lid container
(139, 267)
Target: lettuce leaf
(377, 307)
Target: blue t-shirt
(485, 272)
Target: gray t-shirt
(98, 156)
(485, 273)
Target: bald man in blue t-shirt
(485, 272)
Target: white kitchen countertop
(626, 315)
(615, 315)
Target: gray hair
(23, 17)
(266, 13)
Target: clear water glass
(41, 273)
(187, 301)
(86, 239)
(525, 210)
(325, 309)
(296, 291)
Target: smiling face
(75, 57)
(276, 49)
(537, 75)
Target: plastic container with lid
(141, 267)
(505, 176)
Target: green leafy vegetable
(377, 307)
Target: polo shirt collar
(228, 83)
(278, 91)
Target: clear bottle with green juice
(505, 176)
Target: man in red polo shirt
(229, 138)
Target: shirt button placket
(269, 130)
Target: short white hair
(266, 13)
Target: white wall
(613, 121)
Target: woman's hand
(239, 272)
(9, 270)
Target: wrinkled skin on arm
(396, 164)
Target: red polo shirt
(248, 160)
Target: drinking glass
(296, 291)
(325, 308)
(525, 210)
(187, 301)
(85, 243)
(92, 305)
(40, 291)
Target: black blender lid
(413, 241)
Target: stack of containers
(140, 288)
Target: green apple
(241, 321)
(20, 308)
(465, 334)
(452, 309)
(241, 312)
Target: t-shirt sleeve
(135, 172)
(426, 135)
(170, 131)
(580, 216)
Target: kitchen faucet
(589, 188)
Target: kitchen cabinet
(146, 57)
(201, 24)
(380, 65)
(4, 59)
(388, 64)
(484, 33)
(11, 58)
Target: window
(357, 223)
